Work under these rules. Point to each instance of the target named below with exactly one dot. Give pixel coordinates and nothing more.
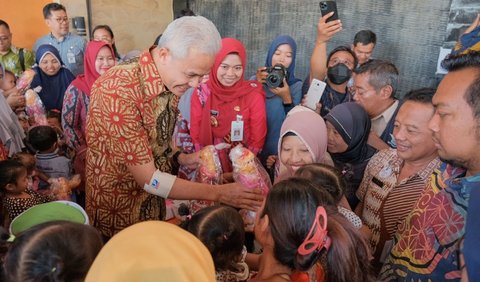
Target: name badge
(236, 133)
(71, 58)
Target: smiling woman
(228, 104)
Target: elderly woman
(395, 178)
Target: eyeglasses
(62, 20)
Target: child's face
(20, 185)
(8, 82)
(294, 153)
(55, 123)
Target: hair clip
(317, 237)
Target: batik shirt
(130, 122)
(427, 244)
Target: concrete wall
(410, 32)
(135, 23)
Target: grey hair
(190, 32)
(382, 73)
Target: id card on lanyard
(236, 132)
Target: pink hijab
(85, 81)
(311, 129)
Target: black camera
(275, 76)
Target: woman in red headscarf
(227, 108)
(99, 57)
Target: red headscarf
(85, 81)
(225, 98)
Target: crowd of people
(371, 185)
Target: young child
(299, 228)
(329, 178)
(14, 186)
(33, 175)
(220, 228)
(44, 140)
(54, 119)
(9, 81)
(52, 251)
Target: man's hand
(283, 92)
(261, 74)
(239, 196)
(325, 31)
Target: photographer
(281, 94)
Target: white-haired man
(133, 109)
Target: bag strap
(21, 57)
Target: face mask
(339, 74)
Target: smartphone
(314, 93)
(327, 7)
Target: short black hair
(382, 73)
(460, 62)
(4, 23)
(9, 172)
(47, 10)
(344, 49)
(365, 37)
(422, 95)
(42, 137)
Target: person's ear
(161, 54)
(10, 187)
(386, 91)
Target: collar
(149, 76)
(388, 113)
(64, 38)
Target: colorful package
(248, 171)
(210, 172)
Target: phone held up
(314, 93)
(327, 7)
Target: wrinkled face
(454, 126)
(102, 34)
(363, 52)
(8, 82)
(294, 153)
(411, 132)
(179, 74)
(104, 60)
(50, 64)
(335, 144)
(5, 39)
(58, 23)
(283, 55)
(342, 57)
(230, 70)
(366, 95)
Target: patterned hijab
(280, 40)
(52, 87)
(153, 251)
(353, 124)
(223, 99)
(85, 81)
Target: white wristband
(160, 184)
